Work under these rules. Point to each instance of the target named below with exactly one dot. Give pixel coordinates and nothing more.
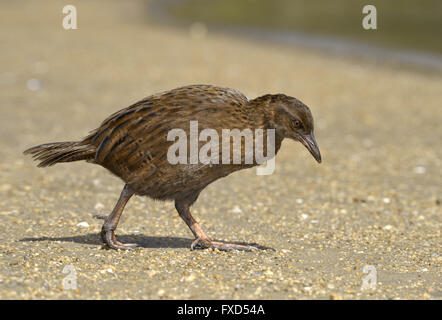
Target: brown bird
(133, 144)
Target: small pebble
(190, 278)
(99, 206)
(236, 209)
(33, 84)
(420, 170)
(83, 224)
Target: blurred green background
(405, 24)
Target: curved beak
(309, 142)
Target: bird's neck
(262, 112)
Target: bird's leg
(201, 239)
(111, 222)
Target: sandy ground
(374, 201)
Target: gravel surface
(374, 201)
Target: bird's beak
(309, 142)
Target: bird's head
(293, 119)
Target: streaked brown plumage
(132, 144)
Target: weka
(132, 143)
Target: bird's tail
(51, 153)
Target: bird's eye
(297, 123)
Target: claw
(201, 243)
(109, 238)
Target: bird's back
(132, 143)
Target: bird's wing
(134, 140)
(120, 141)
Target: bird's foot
(201, 243)
(108, 237)
(206, 243)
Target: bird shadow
(143, 241)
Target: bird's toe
(201, 243)
(232, 246)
